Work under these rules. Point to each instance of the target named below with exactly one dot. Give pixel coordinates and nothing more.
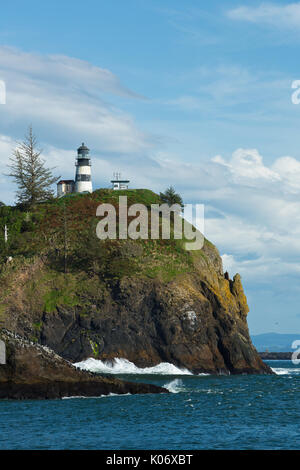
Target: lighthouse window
(83, 162)
(83, 178)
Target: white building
(83, 177)
(118, 183)
(65, 187)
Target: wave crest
(123, 366)
(286, 371)
(175, 386)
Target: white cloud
(247, 165)
(234, 93)
(66, 98)
(263, 269)
(282, 16)
(258, 227)
(289, 170)
(64, 70)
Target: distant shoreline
(276, 355)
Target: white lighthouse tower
(83, 178)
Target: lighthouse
(83, 178)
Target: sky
(193, 94)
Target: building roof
(83, 148)
(66, 182)
(119, 181)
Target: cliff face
(33, 371)
(146, 301)
(187, 322)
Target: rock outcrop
(148, 301)
(186, 323)
(33, 371)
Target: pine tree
(170, 197)
(28, 169)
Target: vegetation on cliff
(61, 235)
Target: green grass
(37, 326)
(56, 298)
(66, 226)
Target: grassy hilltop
(61, 235)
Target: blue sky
(194, 94)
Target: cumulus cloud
(289, 170)
(247, 165)
(259, 227)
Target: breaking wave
(123, 366)
(286, 371)
(175, 386)
(76, 397)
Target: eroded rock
(33, 371)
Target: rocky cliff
(148, 301)
(33, 371)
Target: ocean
(201, 412)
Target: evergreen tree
(28, 169)
(170, 197)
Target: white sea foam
(175, 386)
(123, 366)
(98, 396)
(75, 396)
(285, 371)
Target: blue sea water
(202, 412)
